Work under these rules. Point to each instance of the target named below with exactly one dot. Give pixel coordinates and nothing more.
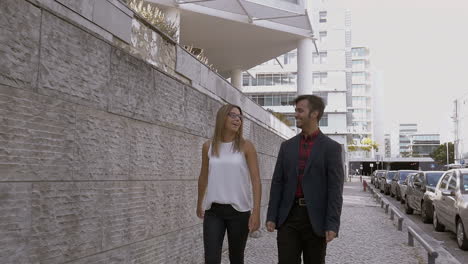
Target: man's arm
(335, 178)
(276, 190)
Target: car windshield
(433, 178)
(390, 175)
(404, 174)
(464, 185)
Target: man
(306, 193)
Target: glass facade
(358, 52)
(269, 79)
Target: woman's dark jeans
(218, 219)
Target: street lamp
(446, 144)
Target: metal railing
(431, 253)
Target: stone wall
(100, 137)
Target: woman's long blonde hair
(221, 117)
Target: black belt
(300, 201)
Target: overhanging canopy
(240, 34)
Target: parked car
(451, 205)
(420, 193)
(386, 181)
(398, 181)
(381, 180)
(374, 178)
(404, 186)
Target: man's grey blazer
(322, 184)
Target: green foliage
(367, 143)
(154, 16)
(281, 117)
(440, 153)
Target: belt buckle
(301, 202)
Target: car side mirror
(404, 183)
(448, 193)
(417, 184)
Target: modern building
(460, 119)
(361, 106)
(405, 133)
(275, 84)
(388, 146)
(422, 145)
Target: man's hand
(330, 235)
(254, 221)
(270, 226)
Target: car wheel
(462, 241)
(391, 194)
(424, 214)
(398, 198)
(435, 221)
(408, 208)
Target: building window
(323, 95)
(320, 58)
(324, 120)
(269, 79)
(323, 16)
(273, 99)
(319, 78)
(359, 101)
(290, 58)
(359, 90)
(323, 36)
(358, 52)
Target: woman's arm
(203, 179)
(252, 163)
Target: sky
(422, 48)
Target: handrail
(431, 253)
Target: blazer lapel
(316, 151)
(296, 143)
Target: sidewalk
(367, 235)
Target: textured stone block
(110, 17)
(20, 24)
(102, 150)
(82, 7)
(15, 222)
(158, 153)
(171, 96)
(200, 112)
(188, 66)
(66, 220)
(132, 92)
(78, 219)
(74, 65)
(36, 136)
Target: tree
(366, 145)
(440, 153)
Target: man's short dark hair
(315, 103)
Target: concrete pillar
(173, 15)
(305, 49)
(236, 78)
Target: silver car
(398, 182)
(451, 205)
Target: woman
(229, 169)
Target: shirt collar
(313, 136)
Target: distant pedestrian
(306, 193)
(229, 169)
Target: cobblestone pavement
(367, 235)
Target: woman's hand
(200, 211)
(254, 221)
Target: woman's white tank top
(228, 179)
